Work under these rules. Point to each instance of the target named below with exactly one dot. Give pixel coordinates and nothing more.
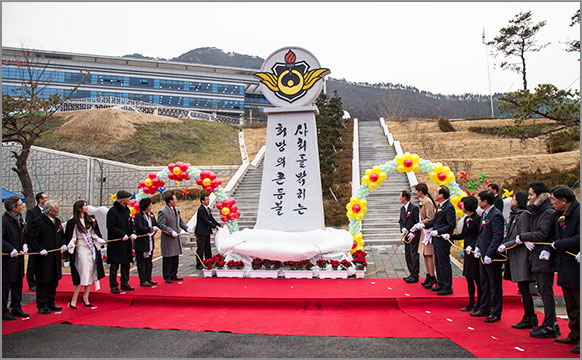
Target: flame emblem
(291, 80)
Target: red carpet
(357, 308)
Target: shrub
(555, 176)
(445, 125)
(515, 131)
(562, 141)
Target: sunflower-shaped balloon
(441, 175)
(358, 242)
(374, 177)
(407, 162)
(456, 200)
(357, 208)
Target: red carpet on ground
(354, 307)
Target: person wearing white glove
(545, 255)
(468, 249)
(409, 215)
(529, 245)
(189, 230)
(518, 240)
(133, 237)
(205, 224)
(71, 246)
(427, 212)
(120, 253)
(501, 249)
(477, 253)
(45, 235)
(446, 236)
(170, 222)
(13, 253)
(487, 260)
(145, 224)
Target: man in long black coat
(205, 222)
(31, 214)
(567, 238)
(444, 222)
(488, 241)
(45, 234)
(409, 215)
(120, 253)
(12, 264)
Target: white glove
(530, 246)
(64, 248)
(411, 236)
(13, 253)
(553, 246)
(25, 248)
(545, 255)
(189, 230)
(101, 241)
(434, 233)
(446, 236)
(124, 238)
(71, 246)
(416, 227)
(133, 236)
(43, 252)
(174, 234)
(477, 253)
(501, 248)
(578, 257)
(518, 240)
(403, 230)
(155, 229)
(487, 260)
(468, 249)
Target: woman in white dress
(85, 243)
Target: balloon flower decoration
(154, 183)
(133, 207)
(374, 177)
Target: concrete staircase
(246, 195)
(380, 225)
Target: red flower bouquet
(232, 264)
(322, 263)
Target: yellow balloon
(399, 159)
(177, 171)
(372, 186)
(368, 172)
(132, 210)
(376, 169)
(225, 211)
(363, 203)
(401, 168)
(383, 176)
(206, 182)
(349, 206)
(365, 179)
(353, 199)
(415, 168)
(415, 158)
(364, 210)
(359, 247)
(350, 214)
(360, 216)
(459, 213)
(357, 236)
(148, 182)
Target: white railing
(412, 180)
(355, 159)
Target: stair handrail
(259, 157)
(356, 159)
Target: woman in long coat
(470, 263)
(427, 213)
(518, 258)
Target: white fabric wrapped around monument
(283, 246)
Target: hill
(142, 139)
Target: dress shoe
(44, 311)
(115, 290)
(127, 287)
(178, 278)
(576, 349)
(146, 284)
(436, 288)
(54, 307)
(492, 318)
(468, 307)
(87, 304)
(478, 313)
(20, 313)
(567, 340)
(168, 281)
(527, 322)
(71, 306)
(411, 280)
(445, 292)
(8, 316)
(430, 283)
(153, 282)
(543, 332)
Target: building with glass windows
(220, 90)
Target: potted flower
(261, 268)
(232, 268)
(336, 272)
(359, 261)
(322, 263)
(298, 269)
(208, 267)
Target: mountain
(362, 100)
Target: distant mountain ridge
(362, 100)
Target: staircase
(380, 225)
(247, 194)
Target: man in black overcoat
(497, 200)
(13, 264)
(44, 234)
(120, 253)
(205, 222)
(444, 222)
(409, 215)
(31, 214)
(488, 241)
(567, 238)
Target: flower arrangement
(215, 261)
(299, 265)
(345, 264)
(235, 265)
(359, 259)
(275, 264)
(562, 221)
(484, 223)
(306, 264)
(334, 264)
(439, 211)
(408, 214)
(293, 265)
(322, 263)
(257, 263)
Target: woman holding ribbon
(85, 242)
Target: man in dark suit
(497, 200)
(204, 224)
(31, 214)
(409, 215)
(444, 222)
(45, 233)
(489, 238)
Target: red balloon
(216, 183)
(209, 189)
(212, 176)
(155, 182)
(373, 177)
(141, 184)
(356, 208)
(219, 205)
(199, 181)
(233, 208)
(354, 245)
(183, 166)
(162, 183)
(228, 202)
(232, 216)
(408, 163)
(152, 175)
(237, 214)
(460, 205)
(223, 218)
(171, 176)
(187, 177)
(205, 174)
(147, 189)
(442, 176)
(154, 189)
(171, 166)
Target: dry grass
(254, 140)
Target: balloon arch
(374, 177)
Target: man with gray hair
(13, 264)
(45, 236)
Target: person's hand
(553, 246)
(133, 236)
(64, 248)
(155, 229)
(518, 240)
(501, 248)
(529, 245)
(71, 245)
(446, 236)
(545, 255)
(189, 230)
(13, 253)
(477, 253)
(434, 233)
(487, 260)
(468, 249)
(174, 234)
(403, 230)
(25, 248)
(578, 257)
(411, 236)
(43, 252)
(125, 238)
(101, 241)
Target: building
(155, 86)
